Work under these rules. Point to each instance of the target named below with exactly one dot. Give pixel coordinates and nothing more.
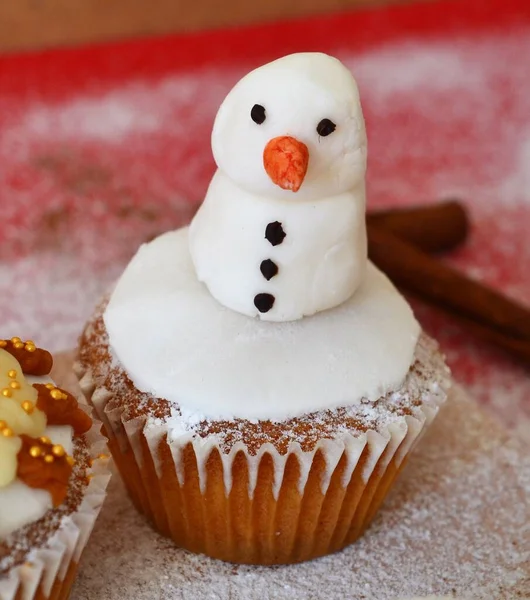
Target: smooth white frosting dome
(177, 342)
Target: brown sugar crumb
(306, 431)
(426, 379)
(33, 360)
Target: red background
(103, 147)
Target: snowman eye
(257, 114)
(325, 127)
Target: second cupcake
(53, 476)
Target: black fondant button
(258, 114)
(268, 269)
(275, 233)
(263, 302)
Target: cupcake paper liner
(263, 508)
(48, 572)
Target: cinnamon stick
(432, 228)
(517, 348)
(437, 283)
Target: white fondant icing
(322, 259)
(297, 92)
(176, 342)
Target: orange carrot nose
(285, 159)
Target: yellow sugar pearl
(58, 450)
(7, 393)
(14, 385)
(7, 432)
(50, 386)
(45, 440)
(30, 347)
(19, 345)
(12, 374)
(30, 342)
(28, 407)
(70, 460)
(3, 343)
(49, 458)
(57, 394)
(15, 340)
(35, 451)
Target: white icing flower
(18, 414)
(20, 421)
(9, 447)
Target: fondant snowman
(281, 233)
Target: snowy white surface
(456, 524)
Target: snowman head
(293, 125)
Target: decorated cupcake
(52, 476)
(261, 382)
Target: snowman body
(281, 233)
(298, 257)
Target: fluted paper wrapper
(48, 572)
(268, 508)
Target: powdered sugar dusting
(106, 120)
(115, 114)
(422, 391)
(456, 524)
(404, 67)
